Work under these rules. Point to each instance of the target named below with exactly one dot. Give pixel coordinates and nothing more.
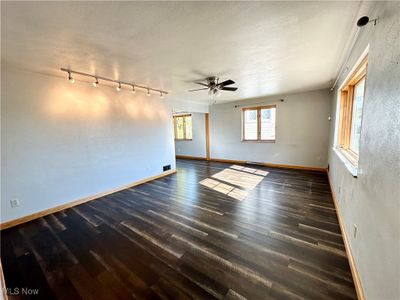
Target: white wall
(372, 201)
(197, 146)
(62, 141)
(302, 131)
(187, 106)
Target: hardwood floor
(174, 238)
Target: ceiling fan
(214, 86)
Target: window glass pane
(250, 124)
(268, 123)
(179, 127)
(188, 125)
(356, 117)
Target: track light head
(72, 80)
(133, 89)
(119, 86)
(148, 92)
(96, 83)
(161, 95)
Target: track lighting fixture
(161, 95)
(119, 82)
(70, 78)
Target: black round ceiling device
(362, 21)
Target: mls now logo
(21, 291)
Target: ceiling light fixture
(119, 86)
(70, 78)
(161, 95)
(119, 82)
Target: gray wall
(372, 201)
(302, 131)
(197, 146)
(62, 141)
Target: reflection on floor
(239, 178)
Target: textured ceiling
(266, 47)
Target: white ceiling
(266, 47)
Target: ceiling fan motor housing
(212, 81)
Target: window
(351, 104)
(183, 127)
(259, 123)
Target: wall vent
(254, 163)
(166, 168)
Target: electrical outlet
(14, 202)
(355, 231)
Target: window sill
(350, 166)
(183, 140)
(254, 141)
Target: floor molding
(229, 161)
(352, 263)
(306, 168)
(191, 157)
(79, 201)
(242, 162)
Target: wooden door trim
(207, 121)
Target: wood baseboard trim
(305, 168)
(191, 157)
(229, 161)
(353, 268)
(281, 166)
(43, 213)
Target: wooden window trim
(346, 111)
(184, 127)
(258, 109)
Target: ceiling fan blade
(202, 83)
(232, 89)
(226, 82)
(197, 90)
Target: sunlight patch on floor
(239, 178)
(224, 188)
(235, 181)
(250, 170)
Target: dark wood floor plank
(175, 238)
